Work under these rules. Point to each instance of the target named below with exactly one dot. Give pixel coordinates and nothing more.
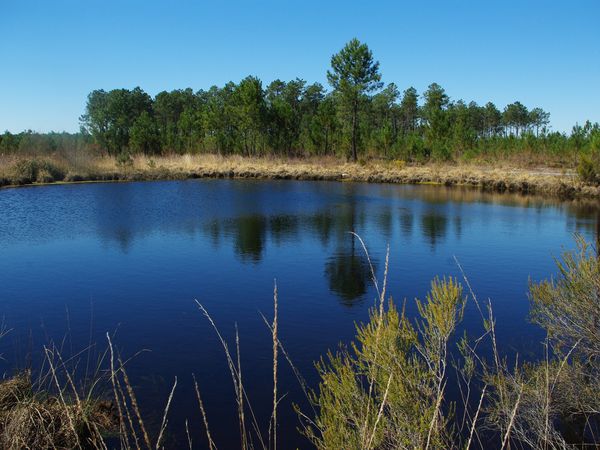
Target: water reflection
(406, 222)
(249, 235)
(433, 227)
(115, 217)
(284, 228)
(250, 217)
(348, 273)
(321, 224)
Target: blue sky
(53, 53)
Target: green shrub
(588, 169)
(387, 392)
(124, 159)
(558, 398)
(441, 153)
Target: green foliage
(110, 116)
(9, 143)
(588, 136)
(436, 119)
(124, 159)
(388, 390)
(588, 170)
(354, 74)
(249, 110)
(515, 117)
(554, 403)
(179, 120)
(29, 143)
(569, 305)
(144, 135)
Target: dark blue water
(78, 261)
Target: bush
(124, 159)
(441, 153)
(558, 399)
(568, 307)
(588, 169)
(25, 171)
(411, 148)
(388, 391)
(32, 170)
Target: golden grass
(32, 418)
(540, 180)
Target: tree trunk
(354, 127)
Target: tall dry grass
(50, 411)
(87, 167)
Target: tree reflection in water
(433, 227)
(348, 275)
(249, 232)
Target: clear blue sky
(53, 53)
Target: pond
(130, 259)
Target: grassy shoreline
(53, 170)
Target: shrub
(568, 307)
(33, 170)
(555, 403)
(25, 171)
(588, 170)
(124, 159)
(388, 389)
(387, 392)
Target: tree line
(358, 117)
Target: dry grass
(512, 178)
(32, 418)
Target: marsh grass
(49, 411)
(79, 167)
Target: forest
(357, 118)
